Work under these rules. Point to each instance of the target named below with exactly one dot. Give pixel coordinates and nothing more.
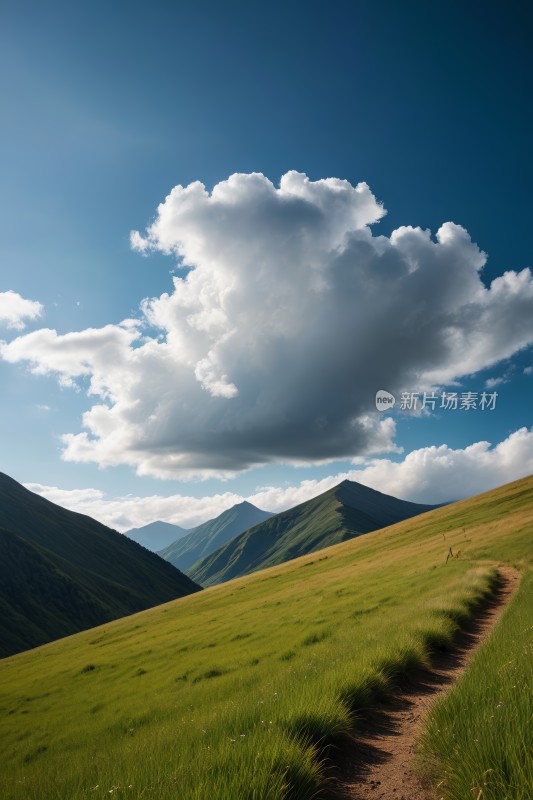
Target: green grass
(232, 693)
(479, 737)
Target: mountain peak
(358, 488)
(156, 535)
(246, 506)
(342, 512)
(208, 537)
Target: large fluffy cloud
(287, 316)
(428, 475)
(15, 309)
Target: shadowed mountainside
(62, 572)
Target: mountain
(156, 535)
(62, 572)
(346, 511)
(206, 538)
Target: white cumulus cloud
(287, 316)
(15, 309)
(441, 474)
(123, 513)
(428, 475)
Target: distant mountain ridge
(348, 510)
(208, 537)
(62, 572)
(156, 535)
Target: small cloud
(138, 242)
(491, 383)
(14, 309)
(42, 407)
(528, 371)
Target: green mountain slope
(206, 538)
(226, 694)
(156, 535)
(62, 572)
(341, 513)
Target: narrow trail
(379, 762)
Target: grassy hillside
(156, 535)
(206, 538)
(341, 513)
(62, 572)
(463, 740)
(226, 693)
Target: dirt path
(378, 763)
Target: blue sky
(106, 107)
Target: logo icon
(384, 400)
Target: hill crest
(206, 538)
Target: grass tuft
(315, 638)
(287, 656)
